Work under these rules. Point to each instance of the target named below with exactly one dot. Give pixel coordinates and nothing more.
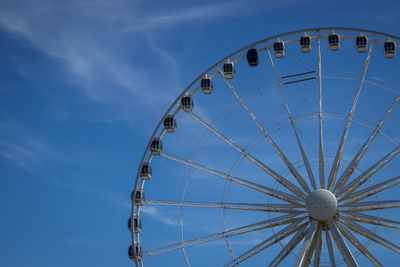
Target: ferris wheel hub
(321, 204)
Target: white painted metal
(320, 204)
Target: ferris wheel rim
(215, 66)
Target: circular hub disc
(321, 204)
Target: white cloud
(111, 49)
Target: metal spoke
(342, 246)
(371, 203)
(330, 248)
(279, 178)
(303, 154)
(359, 245)
(336, 162)
(321, 141)
(286, 208)
(307, 250)
(281, 220)
(375, 207)
(288, 164)
(318, 248)
(372, 190)
(370, 219)
(275, 238)
(362, 178)
(289, 246)
(357, 158)
(260, 188)
(370, 235)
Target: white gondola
(206, 85)
(229, 70)
(156, 146)
(279, 48)
(145, 171)
(361, 43)
(187, 103)
(252, 57)
(139, 197)
(389, 48)
(136, 226)
(305, 43)
(334, 41)
(135, 251)
(170, 124)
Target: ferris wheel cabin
(389, 48)
(305, 43)
(146, 172)
(156, 146)
(334, 41)
(135, 251)
(361, 43)
(139, 197)
(206, 85)
(229, 70)
(187, 103)
(252, 57)
(279, 48)
(136, 226)
(170, 124)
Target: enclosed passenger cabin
(389, 48)
(252, 57)
(170, 124)
(229, 70)
(361, 43)
(279, 48)
(136, 226)
(139, 197)
(135, 251)
(145, 171)
(305, 43)
(334, 41)
(187, 103)
(156, 146)
(206, 85)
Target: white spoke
(370, 219)
(370, 235)
(303, 154)
(371, 203)
(342, 246)
(285, 208)
(289, 246)
(321, 140)
(330, 248)
(307, 250)
(359, 245)
(281, 220)
(275, 238)
(362, 178)
(357, 158)
(260, 188)
(372, 190)
(318, 248)
(288, 164)
(279, 178)
(336, 162)
(375, 207)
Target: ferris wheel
(282, 153)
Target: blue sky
(84, 83)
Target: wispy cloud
(24, 147)
(154, 213)
(111, 50)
